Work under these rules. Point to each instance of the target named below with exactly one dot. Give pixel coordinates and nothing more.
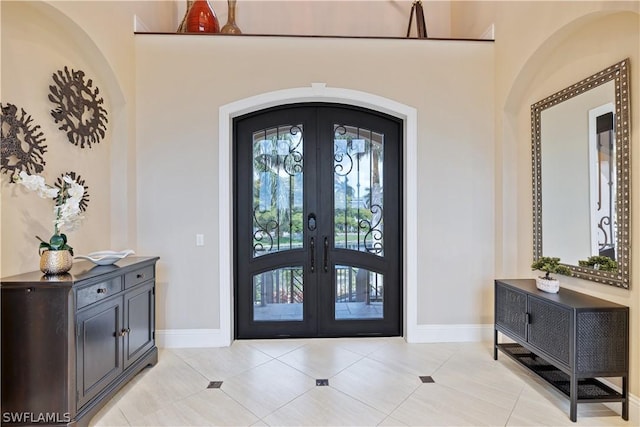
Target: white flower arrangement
(66, 210)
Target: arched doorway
(318, 202)
(316, 92)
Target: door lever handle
(312, 247)
(326, 254)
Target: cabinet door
(139, 321)
(99, 357)
(511, 307)
(550, 329)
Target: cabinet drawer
(138, 276)
(98, 291)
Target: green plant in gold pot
(56, 255)
(549, 265)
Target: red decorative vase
(201, 18)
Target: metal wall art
(22, 145)
(78, 108)
(84, 202)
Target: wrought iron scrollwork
(263, 237)
(343, 162)
(373, 230)
(278, 161)
(293, 160)
(603, 225)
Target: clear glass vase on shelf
(231, 27)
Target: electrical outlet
(199, 239)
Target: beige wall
(449, 83)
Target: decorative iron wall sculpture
(78, 108)
(22, 144)
(84, 202)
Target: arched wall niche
(575, 51)
(548, 69)
(538, 61)
(39, 38)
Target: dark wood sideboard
(569, 339)
(70, 342)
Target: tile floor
(372, 381)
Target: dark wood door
(318, 222)
(139, 319)
(99, 351)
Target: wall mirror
(581, 176)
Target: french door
(317, 228)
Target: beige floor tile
(209, 407)
(376, 384)
(325, 406)
(320, 359)
(365, 346)
(391, 422)
(373, 381)
(277, 348)
(419, 359)
(169, 381)
(218, 364)
(437, 405)
(109, 416)
(482, 377)
(267, 387)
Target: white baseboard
(188, 338)
(450, 333)
(634, 403)
(185, 338)
(634, 410)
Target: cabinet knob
(124, 332)
(102, 290)
(139, 276)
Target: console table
(70, 342)
(569, 339)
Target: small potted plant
(56, 255)
(602, 263)
(549, 265)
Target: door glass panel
(359, 293)
(277, 189)
(358, 202)
(278, 295)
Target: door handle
(326, 254)
(312, 246)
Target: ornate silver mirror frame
(619, 73)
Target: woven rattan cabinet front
(568, 339)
